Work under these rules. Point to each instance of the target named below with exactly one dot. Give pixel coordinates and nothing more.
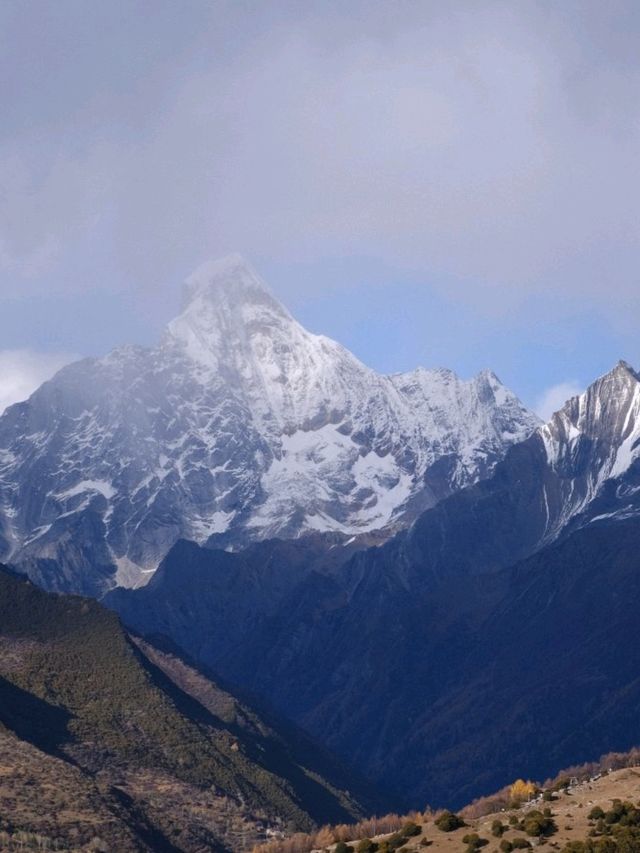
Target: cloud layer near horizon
(491, 148)
(554, 398)
(22, 371)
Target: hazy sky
(436, 183)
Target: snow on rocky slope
(591, 445)
(240, 425)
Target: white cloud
(490, 148)
(22, 371)
(555, 397)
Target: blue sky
(429, 183)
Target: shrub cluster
(449, 821)
(474, 842)
(617, 830)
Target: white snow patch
(326, 468)
(217, 522)
(626, 512)
(104, 487)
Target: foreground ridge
(584, 809)
(110, 741)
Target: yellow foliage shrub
(522, 791)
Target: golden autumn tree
(522, 791)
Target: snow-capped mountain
(591, 445)
(580, 468)
(240, 425)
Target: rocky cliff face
(239, 426)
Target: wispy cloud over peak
(23, 370)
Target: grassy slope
(75, 685)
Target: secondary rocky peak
(623, 369)
(620, 382)
(602, 425)
(608, 400)
(488, 383)
(488, 375)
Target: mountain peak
(623, 368)
(489, 378)
(614, 387)
(230, 277)
(226, 304)
(611, 390)
(607, 415)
